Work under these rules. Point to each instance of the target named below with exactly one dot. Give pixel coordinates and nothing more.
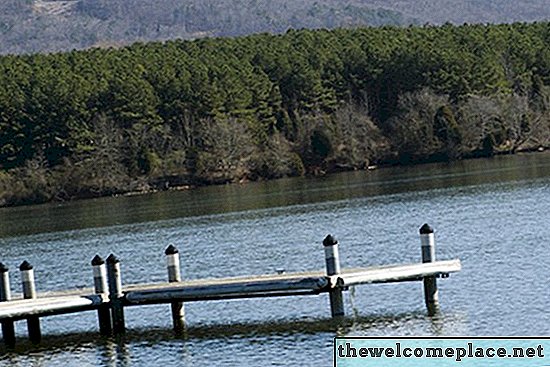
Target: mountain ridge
(34, 26)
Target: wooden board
(271, 285)
(20, 309)
(227, 288)
(276, 285)
(395, 273)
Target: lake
(493, 214)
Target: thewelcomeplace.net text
(469, 350)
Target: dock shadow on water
(131, 348)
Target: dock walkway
(110, 298)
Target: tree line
(162, 115)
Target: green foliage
(29, 184)
(412, 129)
(488, 145)
(148, 162)
(447, 131)
(105, 121)
(276, 159)
(321, 144)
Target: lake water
(493, 214)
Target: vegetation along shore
(160, 115)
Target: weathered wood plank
(395, 273)
(228, 281)
(20, 309)
(271, 285)
(226, 288)
(281, 284)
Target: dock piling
(332, 260)
(109, 299)
(114, 281)
(101, 287)
(431, 294)
(29, 292)
(8, 328)
(174, 275)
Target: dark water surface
(493, 214)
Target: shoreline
(318, 173)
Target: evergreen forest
(163, 115)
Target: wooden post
(431, 296)
(100, 287)
(115, 294)
(332, 260)
(29, 292)
(174, 275)
(8, 329)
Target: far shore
(186, 187)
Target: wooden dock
(110, 298)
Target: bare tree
(508, 120)
(98, 170)
(224, 150)
(358, 140)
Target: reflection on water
(121, 351)
(491, 213)
(277, 193)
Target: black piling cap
(112, 259)
(25, 265)
(171, 250)
(3, 268)
(97, 260)
(330, 241)
(426, 229)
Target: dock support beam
(29, 292)
(174, 275)
(114, 280)
(431, 295)
(100, 287)
(8, 328)
(332, 260)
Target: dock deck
(109, 297)
(272, 285)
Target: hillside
(51, 25)
(469, 11)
